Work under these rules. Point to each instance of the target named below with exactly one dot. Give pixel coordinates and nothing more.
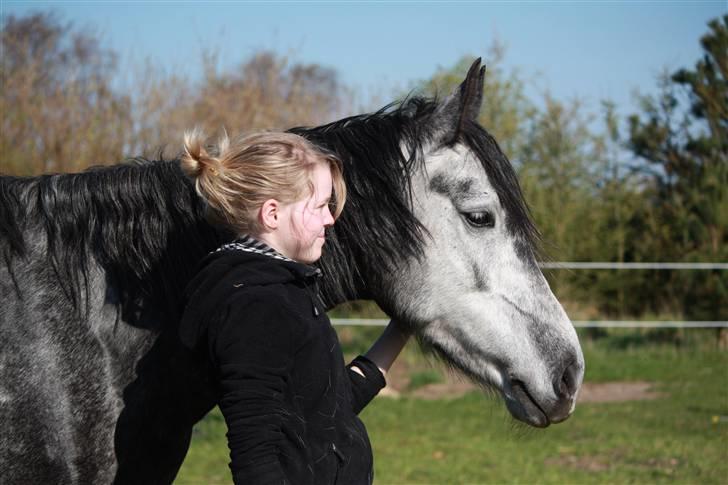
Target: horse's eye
(479, 219)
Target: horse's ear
(461, 106)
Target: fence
(601, 323)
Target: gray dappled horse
(94, 384)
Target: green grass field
(679, 437)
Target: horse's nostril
(564, 388)
(567, 383)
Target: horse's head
(436, 230)
(476, 294)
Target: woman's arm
(253, 351)
(387, 347)
(366, 373)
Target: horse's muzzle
(525, 406)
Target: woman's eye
(479, 219)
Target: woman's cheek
(314, 224)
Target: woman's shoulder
(275, 295)
(259, 314)
(237, 276)
(228, 301)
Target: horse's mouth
(524, 407)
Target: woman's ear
(268, 214)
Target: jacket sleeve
(364, 388)
(252, 348)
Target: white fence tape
(606, 265)
(381, 322)
(649, 324)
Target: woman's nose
(328, 218)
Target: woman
(289, 402)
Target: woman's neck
(269, 240)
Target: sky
(589, 50)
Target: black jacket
(289, 402)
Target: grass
(681, 437)
(424, 377)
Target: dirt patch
(398, 384)
(613, 459)
(443, 390)
(589, 463)
(617, 391)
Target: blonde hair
(236, 178)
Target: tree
(59, 112)
(558, 176)
(265, 92)
(682, 136)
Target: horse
(95, 385)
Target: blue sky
(592, 50)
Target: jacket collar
(253, 246)
(250, 244)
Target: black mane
(140, 220)
(378, 176)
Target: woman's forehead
(322, 181)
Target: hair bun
(196, 160)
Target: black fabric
(289, 402)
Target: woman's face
(302, 223)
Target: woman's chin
(316, 255)
(311, 256)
